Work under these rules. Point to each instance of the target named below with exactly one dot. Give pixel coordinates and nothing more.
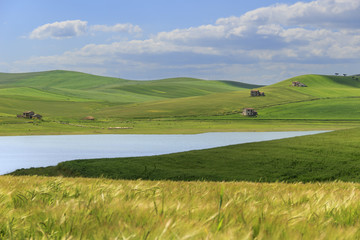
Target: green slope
(67, 94)
(179, 87)
(208, 105)
(325, 97)
(62, 93)
(331, 97)
(58, 79)
(322, 157)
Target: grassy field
(322, 157)
(65, 92)
(59, 208)
(33, 207)
(328, 94)
(70, 96)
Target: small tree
(344, 74)
(336, 74)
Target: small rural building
(30, 115)
(249, 112)
(256, 93)
(298, 84)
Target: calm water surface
(39, 151)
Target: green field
(208, 199)
(187, 105)
(65, 94)
(176, 105)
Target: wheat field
(79, 208)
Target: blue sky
(260, 41)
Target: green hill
(330, 97)
(66, 92)
(69, 96)
(325, 97)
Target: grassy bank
(322, 157)
(58, 208)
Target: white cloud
(125, 27)
(287, 37)
(74, 28)
(58, 30)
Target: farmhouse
(298, 84)
(249, 112)
(256, 93)
(30, 115)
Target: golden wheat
(78, 208)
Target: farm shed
(30, 115)
(256, 93)
(298, 84)
(249, 112)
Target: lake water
(39, 151)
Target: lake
(40, 151)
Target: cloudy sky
(260, 41)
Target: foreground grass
(322, 157)
(75, 208)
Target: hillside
(177, 105)
(73, 94)
(326, 97)
(66, 92)
(331, 97)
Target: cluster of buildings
(30, 115)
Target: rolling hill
(63, 93)
(69, 96)
(326, 97)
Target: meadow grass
(77, 208)
(321, 157)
